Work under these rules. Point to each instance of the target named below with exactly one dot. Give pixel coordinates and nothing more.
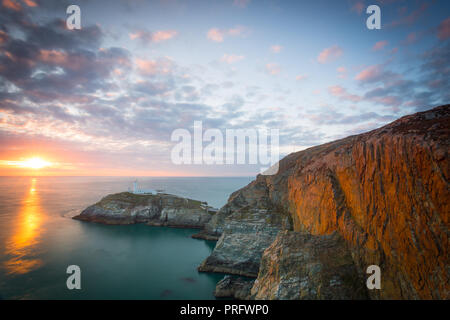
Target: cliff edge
(382, 196)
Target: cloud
(153, 67)
(147, 37)
(342, 71)
(231, 58)
(276, 48)
(30, 3)
(53, 57)
(444, 29)
(241, 3)
(410, 38)
(331, 117)
(218, 35)
(3, 36)
(379, 45)
(357, 7)
(370, 74)
(343, 94)
(273, 69)
(436, 75)
(11, 4)
(215, 34)
(301, 77)
(412, 17)
(329, 54)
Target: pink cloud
(218, 35)
(387, 100)
(444, 29)
(153, 67)
(342, 72)
(329, 54)
(410, 39)
(11, 4)
(412, 17)
(273, 69)
(53, 57)
(215, 34)
(358, 7)
(237, 31)
(30, 3)
(301, 77)
(231, 58)
(3, 36)
(342, 93)
(241, 3)
(157, 36)
(276, 48)
(379, 45)
(164, 35)
(369, 74)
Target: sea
(39, 240)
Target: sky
(105, 99)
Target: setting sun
(35, 163)
(31, 163)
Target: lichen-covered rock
(303, 266)
(233, 287)
(158, 210)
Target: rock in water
(158, 210)
(385, 192)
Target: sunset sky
(105, 99)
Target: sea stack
(153, 209)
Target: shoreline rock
(247, 232)
(154, 210)
(203, 235)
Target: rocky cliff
(158, 210)
(311, 230)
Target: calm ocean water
(38, 240)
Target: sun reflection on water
(26, 234)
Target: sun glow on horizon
(32, 163)
(36, 163)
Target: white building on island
(138, 190)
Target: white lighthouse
(137, 190)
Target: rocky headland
(157, 210)
(311, 230)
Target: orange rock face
(387, 193)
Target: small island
(159, 209)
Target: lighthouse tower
(137, 190)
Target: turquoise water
(38, 240)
